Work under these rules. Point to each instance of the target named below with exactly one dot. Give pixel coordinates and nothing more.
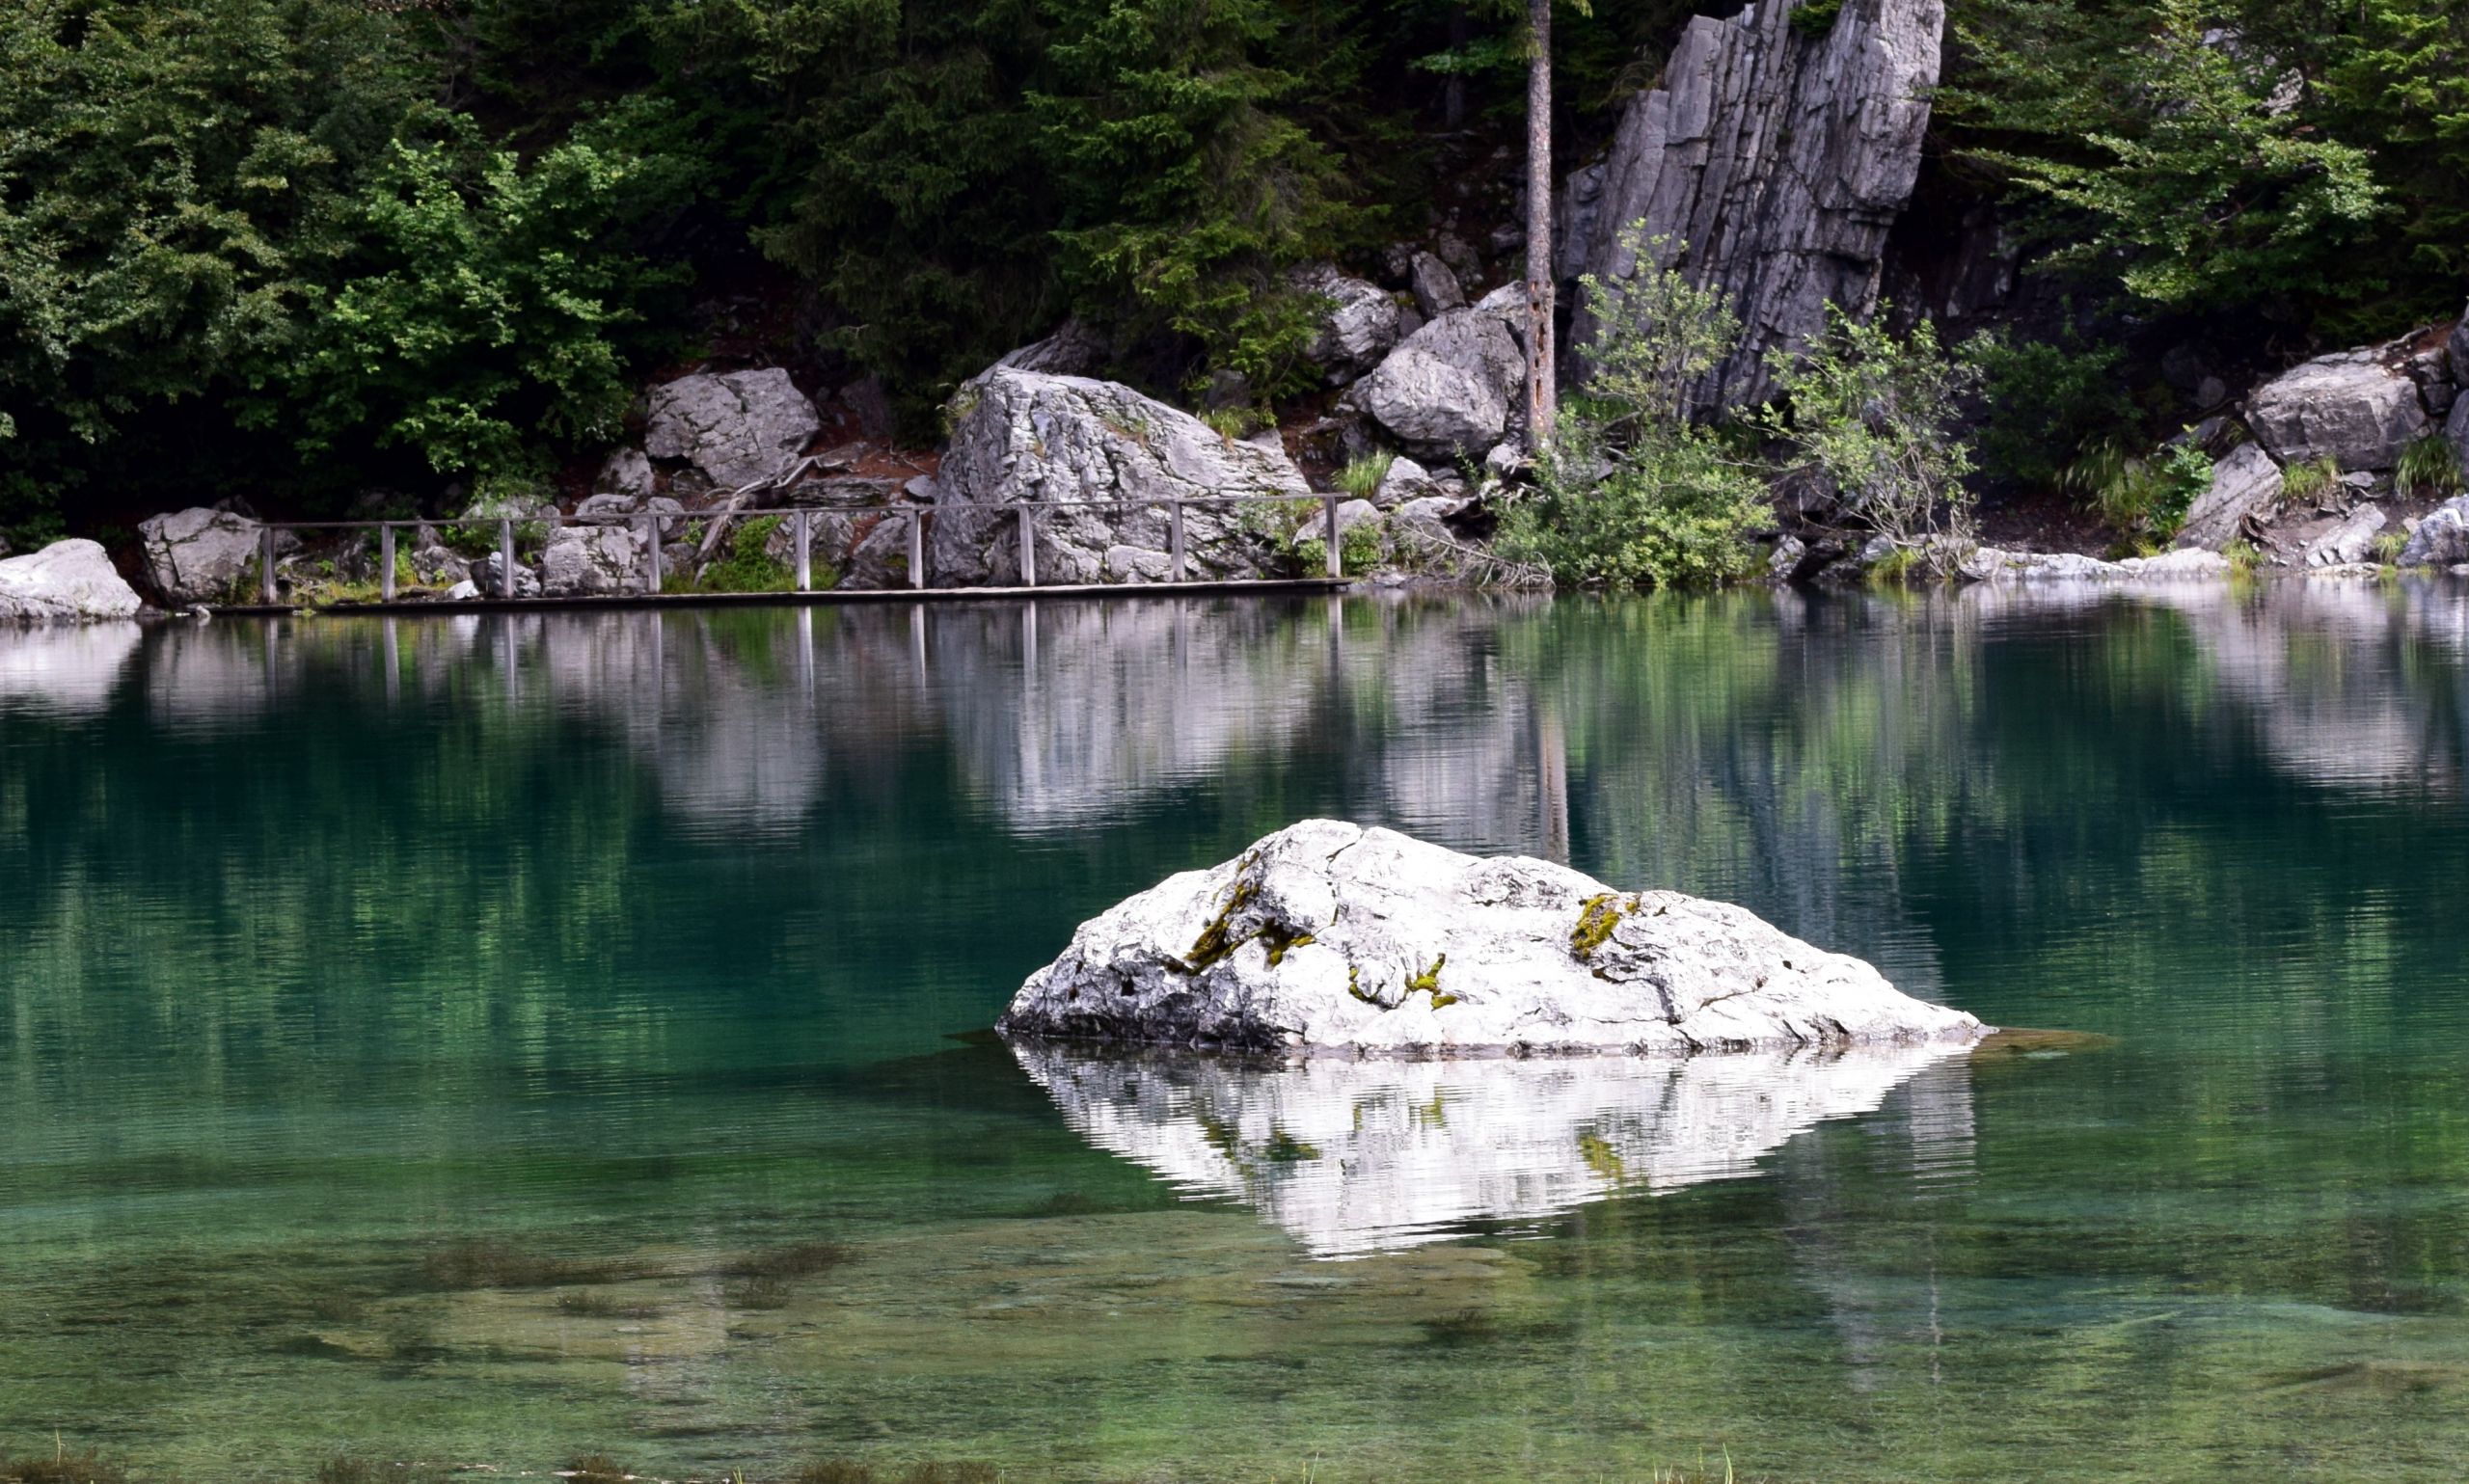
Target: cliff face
(1781, 160)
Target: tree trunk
(1541, 390)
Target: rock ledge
(1330, 936)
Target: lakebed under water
(494, 1039)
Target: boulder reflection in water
(1354, 1157)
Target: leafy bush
(479, 308)
(1632, 494)
(2143, 499)
(2048, 403)
(1362, 475)
(749, 565)
(1872, 418)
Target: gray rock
(1405, 480)
(1785, 559)
(2442, 538)
(1429, 514)
(201, 556)
(1781, 161)
(2245, 483)
(1073, 350)
(1022, 437)
(67, 581)
(1437, 290)
(2455, 430)
(486, 577)
(1992, 564)
(731, 429)
(609, 504)
(1330, 935)
(463, 592)
(2187, 564)
(2456, 346)
(2348, 542)
(1451, 386)
(2350, 408)
(627, 475)
(1358, 322)
(1352, 513)
(433, 565)
(582, 561)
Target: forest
(298, 251)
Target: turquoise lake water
(494, 1040)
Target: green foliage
(749, 565)
(1871, 418)
(1813, 19)
(2145, 500)
(1632, 493)
(1358, 550)
(1674, 509)
(2047, 404)
(479, 309)
(2244, 560)
(2167, 149)
(2310, 479)
(2428, 467)
(1184, 190)
(2389, 546)
(1362, 475)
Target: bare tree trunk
(1452, 88)
(1541, 390)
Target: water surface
(485, 1039)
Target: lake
(491, 1039)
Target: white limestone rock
(2442, 538)
(1328, 936)
(201, 555)
(1451, 386)
(67, 581)
(1109, 457)
(732, 429)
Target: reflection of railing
(654, 523)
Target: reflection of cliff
(1354, 1157)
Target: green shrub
(748, 566)
(2143, 499)
(1872, 419)
(1675, 510)
(2047, 404)
(2428, 467)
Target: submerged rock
(66, 582)
(1330, 935)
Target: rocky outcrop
(1452, 386)
(2356, 409)
(1358, 322)
(731, 429)
(1780, 160)
(2442, 538)
(588, 560)
(1995, 565)
(1027, 438)
(2350, 541)
(201, 556)
(67, 581)
(1073, 350)
(1328, 935)
(2245, 485)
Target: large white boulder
(2442, 538)
(734, 428)
(1105, 459)
(202, 556)
(1454, 386)
(1328, 935)
(71, 581)
(2351, 408)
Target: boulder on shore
(1328, 935)
(67, 581)
(1454, 386)
(1109, 459)
(2351, 408)
(201, 555)
(2442, 538)
(732, 429)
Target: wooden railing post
(386, 562)
(651, 573)
(505, 556)
(805, 555)
(1175, 525)
(1028, 547)
(917, 550)
(1337, 566)
(265, 564)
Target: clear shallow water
(446, 1039)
